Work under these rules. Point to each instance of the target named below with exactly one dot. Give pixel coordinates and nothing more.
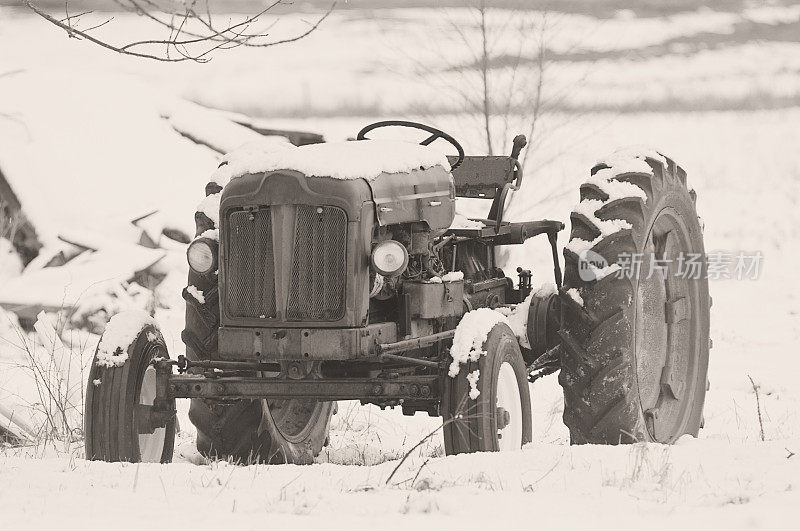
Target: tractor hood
(419, 195)
(408, 182)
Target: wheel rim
(294, 418)
(666, 332)
(508, 410)
(151, 445)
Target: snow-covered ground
(86, 146)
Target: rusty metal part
(184, 364)
(275, 344)
(149, 418)
(524, 283)
(544, 322)
(414, 343)
(503, 418)
(406, 359)
(416, 387)
(430, 300)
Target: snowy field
(85, 142)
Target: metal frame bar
(414, 343)
(409, 387)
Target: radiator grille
(317, 290)
(251, 265)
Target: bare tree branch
(191, 35)
(536, 106)
(487, 102)
(502, 80)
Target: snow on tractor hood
(363, 159)
(409, 182)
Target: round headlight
(202, 255)
(389, 258)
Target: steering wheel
(435, 134)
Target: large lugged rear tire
(635, 345)
(245, 431)
(112, 394)
(499, 418)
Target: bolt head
(503, 418)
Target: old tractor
(340, 271)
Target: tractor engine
(307, 257)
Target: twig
(418, 472)
(408, 453)
(179, 39)
(457, 416)
(758, 407)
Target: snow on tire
(117, 385)
(487, 404)
(635, 343)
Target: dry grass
(54, 361)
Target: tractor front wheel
(113, 396)
(487, 406)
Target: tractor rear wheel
(499, 417)
(245, 431)
(112, 395)
(635, 335)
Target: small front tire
(499, 418)
(112, 396)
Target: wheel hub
(151, 445)
(508, 410)
(503, 418)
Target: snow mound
(212, 128)
(120, 333)
(471, 333)
(10, 263)
(105, 299)
(363, 159)
(82, 281)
